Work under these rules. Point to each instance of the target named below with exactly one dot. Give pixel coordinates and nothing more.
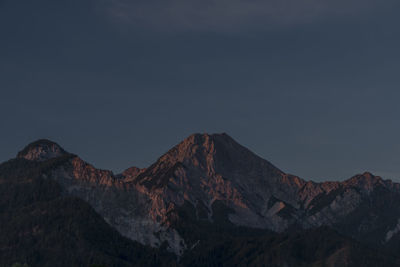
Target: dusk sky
(310, 85)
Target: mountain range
(208, 201)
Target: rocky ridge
(204, 170)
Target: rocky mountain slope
(210, 182)
(42, 227)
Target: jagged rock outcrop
(131, 173)
(41, 150)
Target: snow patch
(392, 232)
(278, 206)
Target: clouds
(232, 15)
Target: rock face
(206, 168)
(41, 150)
(206, 172)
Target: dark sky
(311, 85)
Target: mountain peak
(366, 176)
(202, 146)
(209, 155)
(366, 181)
(200, 138)
(41, 150)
